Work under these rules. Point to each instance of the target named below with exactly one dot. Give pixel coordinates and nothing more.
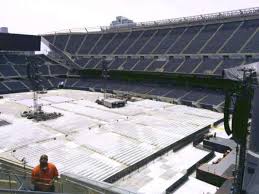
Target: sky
(43, 16)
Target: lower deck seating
(190, 96)
(3, 89)
(15, 86)
(8, 71)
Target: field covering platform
(161, 173)
(96, 142)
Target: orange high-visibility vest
(42, 178)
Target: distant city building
(3, 30)
(121, 22)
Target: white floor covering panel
(70, 157)
(96, 142)
(158, 175)
(195, 186)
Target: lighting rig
(36, 79)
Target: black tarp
(237, 73)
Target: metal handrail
(21, 183)
(182, 20)
(25, 192)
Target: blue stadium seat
(199, 41)
(45, 59)
(220, 37)
(44, 69)
(186, 37)
(253, 45)
(100, 64)
(115, 43)
(168, 41)
(60, 41)
(3, 89)
(102, 43)
(159, 91)
(212, 99)
(15, 86)
(155, 40)
(38, 59)
(7, 71)
(124, 87)
(21, 69)
(228, 63)
(240, 37)
(142, 89)
(141, 41)
(82, 61)
(20, 65)
(84, 84)
(194, 95)
(70, 82)
(206, 98)
(92, 63)
(100, 84)
(126, 44)
(46, 84)
(189, 65)
(2, 59)
(173, 64)
(115, 64)
(55, 81)
(74, 42)
(142, 64)
(130, 63)
(58, 70)
(16, 59)
(156, 65)
(177, 93)
(27, 83)
(88, 43)
(207, 66)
